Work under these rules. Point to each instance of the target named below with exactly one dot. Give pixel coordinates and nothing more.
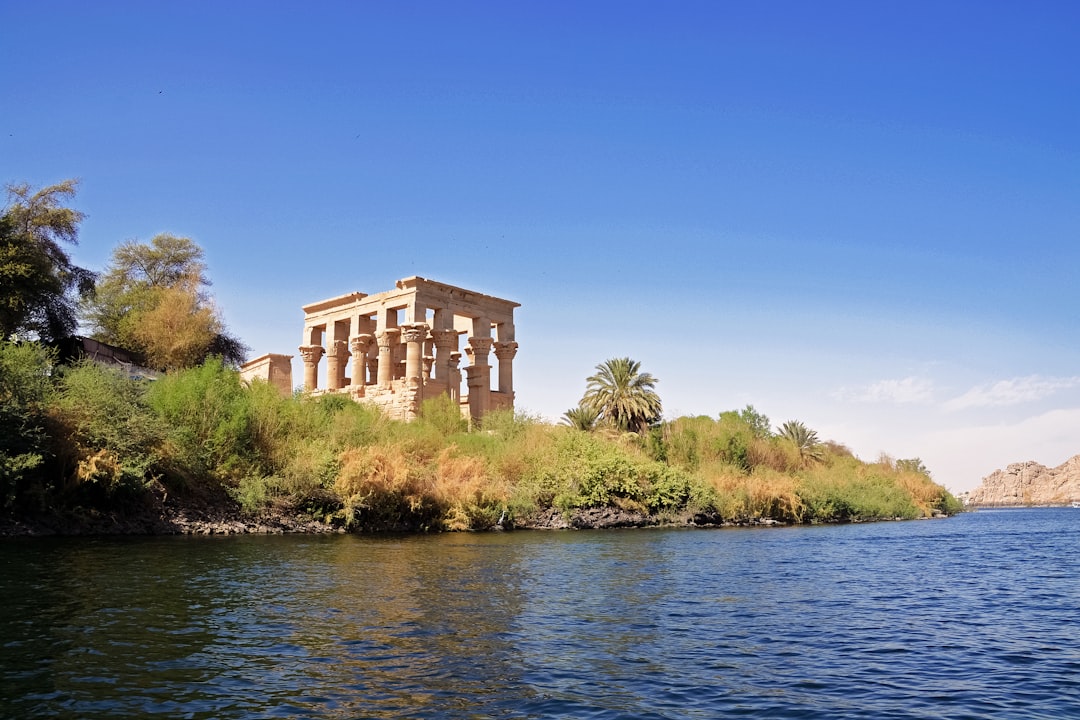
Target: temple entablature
(399, 347)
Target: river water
(977, 616)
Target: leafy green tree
(153, 300)
(39, 284)
(804, 439)
(758, 422)
(623, 395)
(914, 465)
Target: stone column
(479, 376)
(414, 335)
(387, 339)
(335, 364)
(372, 361)
(476, 378)
(454, 376)
(446, 343)
(311, 354)
(505, 352)
(359, 345)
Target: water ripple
(974, 617)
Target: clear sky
(861, 215)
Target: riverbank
(167, 516)
(199, 451)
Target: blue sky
(860, 215)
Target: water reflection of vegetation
(98, 440)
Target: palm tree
(622, 395)
(804, 439)
(582, 417)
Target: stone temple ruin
(397, 348)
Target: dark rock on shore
(161, 513)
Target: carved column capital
(455, 358)
(445, 338)
(311, 354)
(478, 350)
(359, 344)
(506, 350)
(339, 348)
(414, 332)
(387, 338)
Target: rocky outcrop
(1030, 483)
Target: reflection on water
(976, 616)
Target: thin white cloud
(905, 391)
(1012, 392)
(960, 456)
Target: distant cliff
(1030, 483)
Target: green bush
(112, 437)
(330, 457)
(25, 391)
(208, 414)
(852, 490)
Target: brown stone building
(399, 347)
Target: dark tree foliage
(40, 286)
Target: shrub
(385, 489)
(208, 414)
(25, 390)
(113, 436)
(443, 414)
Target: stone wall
(271, 368)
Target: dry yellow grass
(924, 493)
(103, 467)
(371, 471)
(457, 490)
(464, 487)
(762, 493)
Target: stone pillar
(446, 343)
(479, 376)
(372, 361)
(387, 340)
(505, 352)
(335, 364)
(414, 335)
(311, 354)
(359, 346)
(477, 391)
(454, 376)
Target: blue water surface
(977, 616)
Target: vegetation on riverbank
(84, 436)
(81, 439)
